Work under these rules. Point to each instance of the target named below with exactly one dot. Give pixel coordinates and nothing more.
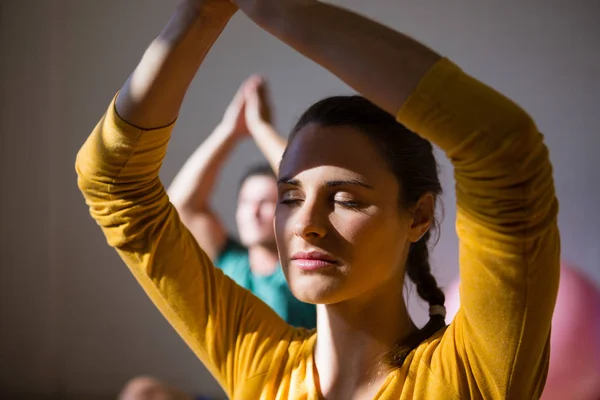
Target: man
(254, 262)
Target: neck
(355, 336)
(263, 259)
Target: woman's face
(339, 229)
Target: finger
(237, 103)
(239, 97)
(264, 100)
(255, 79)
(263, 90)
(252, 100)
(252, 83)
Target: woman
(357, 195)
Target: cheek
(239, 213)
(244, 216)
(373, 239)
(282, 227)
(354, 227)
(267, 213)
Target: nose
(310, 222)
(256, 210)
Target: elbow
(186, 206)
(87, 181)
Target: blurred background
(73, 322)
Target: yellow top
(498, 344)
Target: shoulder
(232, 254)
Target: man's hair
(258, 169)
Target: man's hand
(258, 120)
(249, 111)
(258, 106)
(234, 119)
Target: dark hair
(259, 169)
(411, 159)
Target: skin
(254, 216)
(148, 388)
(361, 227)
(256, 211)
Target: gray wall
(73, 321)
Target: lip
(313, 260)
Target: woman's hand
(260, 10)
(212, 7)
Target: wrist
(197, 17)
(260, 128)
(272, 14)
(219, 11)
(226, 132)
(265, 134)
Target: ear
(423, 213)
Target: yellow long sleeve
(226, 326)
(508, 235)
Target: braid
(419, 271)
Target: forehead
(334, 152)
(258, 186)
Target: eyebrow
(289, 181)
(297, 183)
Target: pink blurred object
(574, 372)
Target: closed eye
(290, 197)
(291, 201)
(353, 205)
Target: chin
(252, 241)
(256, 241)
(316, 289)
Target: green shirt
(272, 289)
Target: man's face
(255, 211)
